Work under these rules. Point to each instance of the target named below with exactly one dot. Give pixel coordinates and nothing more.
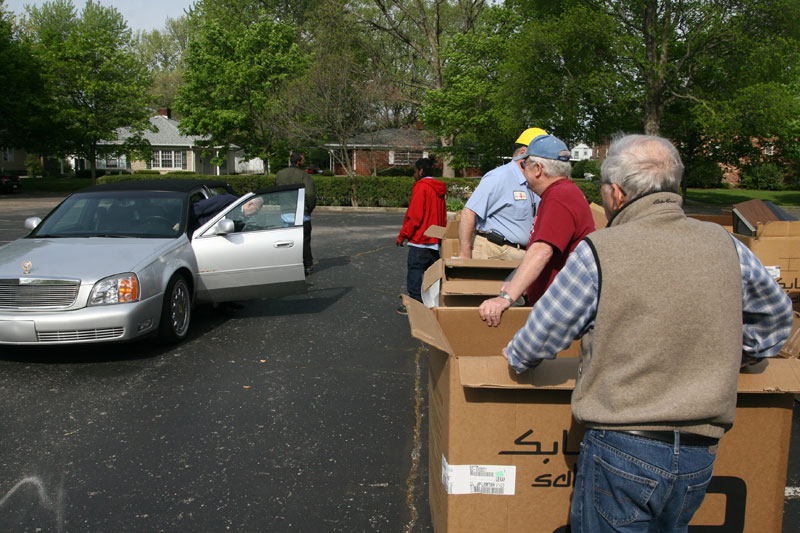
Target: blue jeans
(419, 259)
(627, 483)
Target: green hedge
(334, 190)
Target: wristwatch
(504, 294)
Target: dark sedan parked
(9, 183)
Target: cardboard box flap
(434, 231)
(769, 377)
(778, 229)
(791, 348)
(772, 376)
(432, 274)
(494, 373)
(472, 286)
(424, 325)
(459, 262)
(599, 215)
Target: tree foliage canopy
(94, 80)
(238, 63)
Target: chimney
(165, 112)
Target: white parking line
(792, 493)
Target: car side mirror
(32, 222)
(224, 226)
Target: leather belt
(499, 240)
(686, 439)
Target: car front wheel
(176, 311)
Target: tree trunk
(93, 164)
(447, 169)
(348, 168)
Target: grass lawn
(728, 197)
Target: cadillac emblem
(26, 267)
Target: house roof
(167, 134)
(391, 138)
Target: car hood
(89, 259)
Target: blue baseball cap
(546, 147)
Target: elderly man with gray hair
(669, 309)
(562, 220)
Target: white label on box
(774, 271)
(478, 479)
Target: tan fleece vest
(666, 347)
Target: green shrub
(178, 173)
(87, 173)
(703, 174)
(762, 176)
(585, 166)
(591, 189)
(454, 204)
(148, 172)
(33, 165)
(578, 169)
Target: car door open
(260, 254)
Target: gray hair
(552, 167)
(642, 164)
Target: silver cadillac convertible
(123, 260)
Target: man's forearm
(465, 229)
(537, 256)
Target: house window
(6, 154)
(769, 149)
(168, 159)
(406, 159)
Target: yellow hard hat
(528, 135)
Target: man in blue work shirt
(497, 219)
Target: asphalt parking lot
(306, 413)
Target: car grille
(80, 335)
(37, 293)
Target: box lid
(424, 325)
(771, 376)
(435, 232)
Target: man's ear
(618, 195)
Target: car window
(146, 214)
(265, 211)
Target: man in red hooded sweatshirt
(427, 208)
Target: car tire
(176, 311)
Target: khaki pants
(482, 248)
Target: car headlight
(122, 288)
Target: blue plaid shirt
(568, 308)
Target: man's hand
(492, 309)
(400, 241)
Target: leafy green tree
(336, 97)
(162, 50)
(238, 63)
(95, 81)
(720, 77)
(418, 33)
(20, 122)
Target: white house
(581, 152)
(174, 151)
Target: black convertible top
(166, 184)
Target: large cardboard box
(503, 447)
(464, 282)
(777, 245)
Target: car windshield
(144, 214)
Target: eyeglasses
(523, 162)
